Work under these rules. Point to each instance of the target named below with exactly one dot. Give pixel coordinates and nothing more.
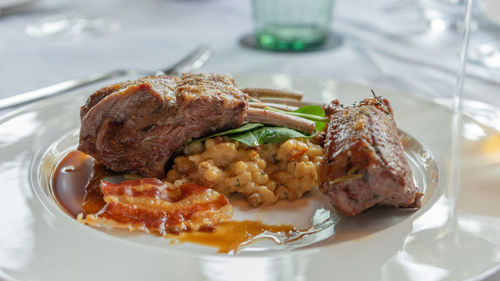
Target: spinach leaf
(314, 110)
(244, 128)
(248, 138)
(311, 110)
(268, 135)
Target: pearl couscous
(262, 174)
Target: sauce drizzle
(76, 187)
(229, 236)
(75, 184)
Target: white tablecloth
(390, 49)
(381, 46)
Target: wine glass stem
(453, 188)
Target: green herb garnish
(243, 128)
(255, 134)
(268, 134)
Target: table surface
(381, 46)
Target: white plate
(38, 241)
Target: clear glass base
(71, 27)
(463, 254)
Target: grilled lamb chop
(138, 125)
(364, 163)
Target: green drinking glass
(292, 25)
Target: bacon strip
(149, 205)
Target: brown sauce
(76, 184)
(76, 187)
(228, 236)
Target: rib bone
(272, 93)
(282, 107)
(265, 116)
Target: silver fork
(193, 61)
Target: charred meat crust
(138, 125)
(364, 163)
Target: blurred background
(389, 43)
(407, 45)
(386, 43)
